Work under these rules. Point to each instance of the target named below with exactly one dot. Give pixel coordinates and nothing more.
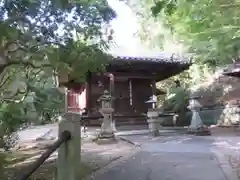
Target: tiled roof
(153, 58)
(124, 54)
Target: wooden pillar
(111, 86)
(89, 92)
(130, 93)
(154, 88)
(68, 163)
(111, 89)
(65, 90)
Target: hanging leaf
(158, 7)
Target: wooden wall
(98, 85)
(129, 99)
(122, 97)
(141, 93)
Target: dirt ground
(93, 157)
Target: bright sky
(125, 25)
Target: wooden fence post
(68, 164)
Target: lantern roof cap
(106, 96)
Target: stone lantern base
(154, 122)
(105, 138)
(107, 128)
(106, 135)
(153, 125)
(199, 131)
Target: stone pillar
(68, 163)
(196, 126)
(108, 127)
(111, 89)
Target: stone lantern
(152, 100)
(154, 123)
(107, 128)
(196, 126)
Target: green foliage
(11, 119)
(41, 34)
(38, 39)
(205, 28)
(202, 27)
(3, 163)
(79, 58)
(48, 103)
(176, 100)
(40, 106)
(151, 24)
(167, 6)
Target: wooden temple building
(130, 80)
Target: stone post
(108, 127)
(68, 163)
(196, 126)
